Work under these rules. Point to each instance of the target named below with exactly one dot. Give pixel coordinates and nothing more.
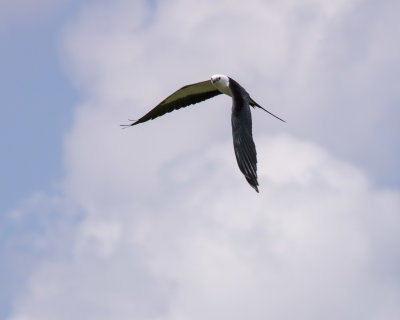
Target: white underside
(222, 84)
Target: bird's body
(245, 150)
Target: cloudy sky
(156, 222)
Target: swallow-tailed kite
(243, 143)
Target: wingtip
(129, 125)
(253, 183)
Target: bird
(243, 144)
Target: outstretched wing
(245, 149)
(184, 97)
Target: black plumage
(185, 96)
(243, 144)
(245, 149)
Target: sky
(156, 222)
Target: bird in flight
(243, 144)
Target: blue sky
(37, 99)
(156, 222)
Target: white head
(221, 82)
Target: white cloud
(323, 66)
(319, 238)
(169, 228)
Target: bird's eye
(218, 78)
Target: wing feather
(243, 144)
(181, 98)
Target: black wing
(184, 97)
(245, 149)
